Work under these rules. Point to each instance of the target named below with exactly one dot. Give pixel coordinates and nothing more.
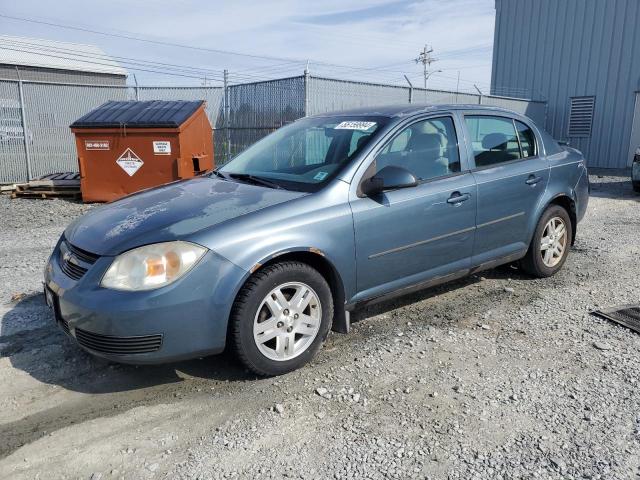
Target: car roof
(404, 110)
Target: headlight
(152, 266)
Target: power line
(139, 39)
(249, 74)
(130, 62)
(130, 36)
(79, 55)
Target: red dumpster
(124, 147)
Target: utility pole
(426, 60)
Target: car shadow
(503, 272)
(35, 345)
(38, 347)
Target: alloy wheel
(553, 242)
(287, 321)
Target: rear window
(494, 140)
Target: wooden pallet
(47, 194)
(55, 185)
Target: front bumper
(186, 319)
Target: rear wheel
(281, 317)
(550, 243)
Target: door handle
(457, 198)
(532, 180)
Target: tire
(537, 262)
(636, 186)
(272, 336)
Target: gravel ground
(493, 376)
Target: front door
(512, 177)
(407, 236)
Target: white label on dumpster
(162, 148)
(130, 162)
(97, 144)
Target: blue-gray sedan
(272, 250)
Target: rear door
(407, 236)
(511, 175)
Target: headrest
(494, 141)
(361, 141)
(424, 141)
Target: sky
(375, 41)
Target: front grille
(74, 261)
(118, 345)
(83, 255)
(72, 270)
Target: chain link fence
(35, 138)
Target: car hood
(170, 212)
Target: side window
(527, 140)
(428, 149)
(494, 140)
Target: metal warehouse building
(47, 60)
(583, 57)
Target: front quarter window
(308, 153)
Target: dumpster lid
(150, 114)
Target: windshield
(306, 154)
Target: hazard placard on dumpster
(130, 162)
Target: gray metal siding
(8, 72)
(558, 49)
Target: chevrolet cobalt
(269, 252)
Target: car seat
(425, 158)
(495, 150)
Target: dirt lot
(494, 376)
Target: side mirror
(389, 178)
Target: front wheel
(281, 317)
(550, 243)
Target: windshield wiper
(246, 177)
(218, 174)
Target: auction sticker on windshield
(354, 125)
(130, 162)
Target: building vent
(581, 116)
